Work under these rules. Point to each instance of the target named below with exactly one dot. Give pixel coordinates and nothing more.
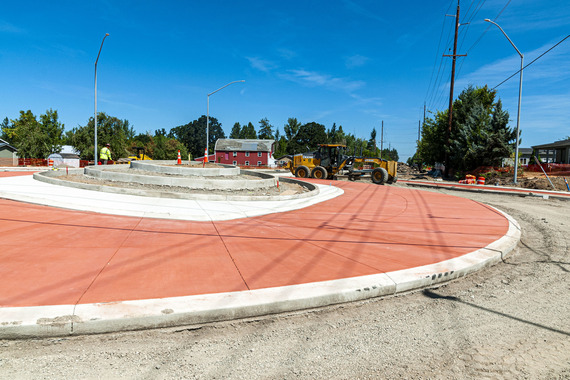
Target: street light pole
(208, 111)
(520, 96)
(95, 156)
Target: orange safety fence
(551, 169)
(44, 162)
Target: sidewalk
(75, 271)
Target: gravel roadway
(510, 321)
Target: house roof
(525, 150)
(244, 145)
(69, 156)
(554, 145)
(4, 144)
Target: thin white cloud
(557, 107)
(261, 64)
(314, 79)
(356, 60)
(361, 11)
(287, 53)
(6, 27)
(372, 101)
(554, 66)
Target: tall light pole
(95, 159)
(520, 95)
(208, 111)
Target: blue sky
(350, 62)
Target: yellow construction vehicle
(331, 159)
(139, 156)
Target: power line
(431, 90)
(532, 62)
(484, 32)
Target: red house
(245, 152)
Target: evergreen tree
(480, 135)
(372, 142)
(235, 133)
(265, 130)
(248, 132)
(6, 130)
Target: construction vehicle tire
(379, 176)
(393, 179)
(319, 173)
(302, 172)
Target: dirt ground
(284, 188)
(510, 321)
(527, 180)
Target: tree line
(35, 137)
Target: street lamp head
(106, 34)
(487, 20)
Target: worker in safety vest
(105, 154)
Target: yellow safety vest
(105, 154)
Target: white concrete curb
(45, 321)
(26, 189)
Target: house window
(234, 154)
(234, 163)
(259, 163)
(259, 154)
(247, 154)
(247, 163)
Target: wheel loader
(329, 160)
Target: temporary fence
(44, 162)
(551, 169)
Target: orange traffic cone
(205, 155)
(179, 159)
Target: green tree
(248, 132)
(193, 135)
(390, 154)
(480, 135)
(281, 144)
(235, 133)
(36, 139)
(6, 130)
(291, 129)
(110, 130)
(372, 142)
(307, 138)
(265, 130)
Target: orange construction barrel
(481, 181)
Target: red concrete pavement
(53, 256)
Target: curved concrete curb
(45, 321)
(503, 190)
(27, 189)
(51, 178)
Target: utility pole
(453, 56)
(419, 130)
(382, 140)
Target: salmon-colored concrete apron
(52, 256)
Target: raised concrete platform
(169, 167)
(73, 272)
